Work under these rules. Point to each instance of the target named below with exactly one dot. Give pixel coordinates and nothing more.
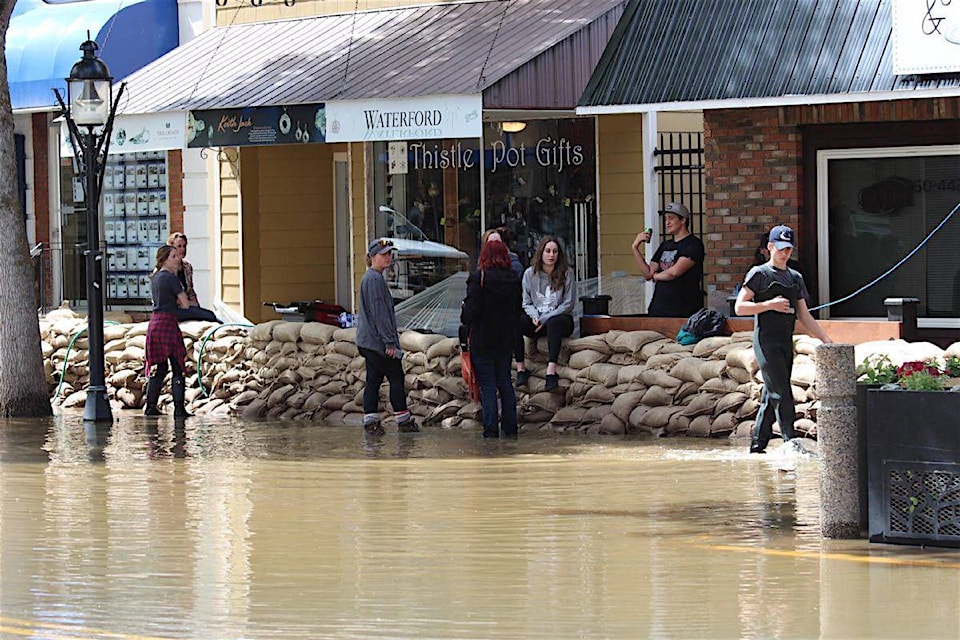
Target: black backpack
(705, 323)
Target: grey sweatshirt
(541, 304)
(376, 322)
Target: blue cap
(781, 236)
(381, 245)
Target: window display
(134, 217)
(538, 178)
(541, 180)
(428, 196)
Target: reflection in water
(219, 529)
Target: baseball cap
(677, 209)
(381, 245)
(781, 236)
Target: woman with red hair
(491, 312)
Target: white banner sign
(141, 132)
(404, 118)
(926, 36)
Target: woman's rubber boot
(154, 386)
(179, 390)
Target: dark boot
(154, 386)
(408, 426)
(179, 389)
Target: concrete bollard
(837, 437)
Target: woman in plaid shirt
(164, 340)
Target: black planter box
(861, 401)
(913, 467)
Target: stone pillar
(837, 437)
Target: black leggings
(556, 329)
(380, 365)
(161, 370)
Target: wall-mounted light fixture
(513, 127)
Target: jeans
(380, 365)
(196, 313)
(557, 328)
(493, 374)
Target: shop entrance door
(341, 241)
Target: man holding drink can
(676, 267)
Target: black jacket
(491, 310)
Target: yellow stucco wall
(240, 11)
(229, 206)
(620, 169)
(358, 210)
(680, 121)
(288, 230)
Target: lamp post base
(97, 407)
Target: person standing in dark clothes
(776, 295)
(676, 267)
(501, 234)
(379, 343)
(164, 341)
(491, 311)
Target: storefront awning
(716, 54)
(440, 49)
(43, 42)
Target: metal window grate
(924, 502)
(679, 168)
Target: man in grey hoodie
(378, 342)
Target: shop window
(541, 180)
(427, 195)
(880, 204)
(134, 221)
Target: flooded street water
(224, 529)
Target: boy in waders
(776, 295)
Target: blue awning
(43, 41)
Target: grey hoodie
(376, 322)
(542, 305)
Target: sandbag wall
(618, 382)
(64, 343)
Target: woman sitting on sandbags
(549, 291)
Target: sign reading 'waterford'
(377, 119)
(404, 118)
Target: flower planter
(913, 467)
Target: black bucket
(596, 305)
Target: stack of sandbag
(642, 381)
(616, 383)
(65, 347)
(310, 371)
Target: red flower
(910, 368)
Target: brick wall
(752, 181)
(754, 171)
(41, 197)
(175, 195)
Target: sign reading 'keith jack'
(425, 117)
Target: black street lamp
(90, 105)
